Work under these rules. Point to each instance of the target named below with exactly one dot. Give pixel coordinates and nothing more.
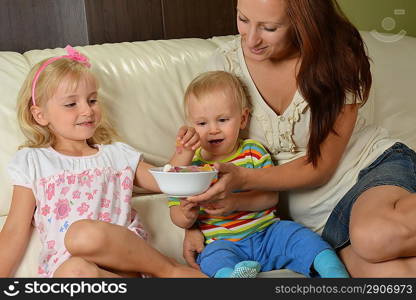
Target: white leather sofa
(142, 84)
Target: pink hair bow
(71, 54)
(75, 55)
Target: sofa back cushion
(142, 86)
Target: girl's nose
(86, 109)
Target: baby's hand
(189, 209)
(187, 139)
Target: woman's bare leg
(382, 233)
(359, 267)
(117, 248)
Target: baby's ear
(244, 117)
(38, 115)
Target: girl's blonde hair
(50, 78)
(211, 81)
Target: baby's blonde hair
(50, 78)
(211, 81)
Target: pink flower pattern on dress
(62, 209)
(50, 191)
(127, 184)
(83, 208)
(104, 217)
(51, 244)
(46, 209)
(85, 178)
(105, 203)
(71, 179)
(64, 190)
(89, 195)
(117, 210)
(76, 194)
(61, 179)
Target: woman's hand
(193, 244)
(221, 207)
(230, 178)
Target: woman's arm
(15, 233)
(243, 201)
(292, 175)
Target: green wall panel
(384, 16)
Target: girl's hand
(187, 139)
(189, 209)
(231, 178)
(193, 244)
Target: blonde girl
(74, 180)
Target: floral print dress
(68, 188)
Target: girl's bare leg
(78, 267)
(117, 248)
(383, 234)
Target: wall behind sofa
(39, 24)
(384, 16)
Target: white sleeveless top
(286, 137)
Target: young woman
(308, 74)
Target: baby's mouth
(216, 141)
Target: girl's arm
(296, 174)
(15, 233)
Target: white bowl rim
(160, 170)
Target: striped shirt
(237, 225)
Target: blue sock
(328, 265)
(244, 269)
(224, 273)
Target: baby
(243, 243)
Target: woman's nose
(253, 38)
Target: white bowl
(183, 184)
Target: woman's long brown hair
(334, 64)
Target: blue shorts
(396, 166)
(284, 244)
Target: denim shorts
(396, 166)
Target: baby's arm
(187, 141)
(16, 232)
(185, 214)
